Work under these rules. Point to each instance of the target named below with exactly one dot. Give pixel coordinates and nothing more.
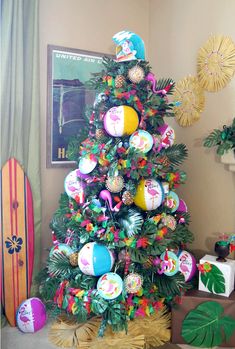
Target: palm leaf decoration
(177, 153)
(171, 286)
(213, 139)
(213, 280)
(206, 326)
(131, 222)
(59, 265)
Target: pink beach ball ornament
(31, 315)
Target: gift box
(216, 277)
(191, 301)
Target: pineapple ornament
(136, 74)
(127, 198)
(73, 259)
(100, 133)
(119, 81)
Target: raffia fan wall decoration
(189, 101)
(146, 332)
(216, 63)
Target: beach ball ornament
(129, 47)
(172, 201)
(149, 194)
(167, 136)
(95, 259)
(74, 187)
(141, 140)
(170, 263)
(187, 264)
(87, 164)
(110, 286)
(121, 121)
(182, 206)
(31, 315)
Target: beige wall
(173, 31)
(177, 30)
(87, 25)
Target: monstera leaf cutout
(206, 326)
(214, 280)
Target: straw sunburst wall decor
(146, 332)
(189, 101)
(216, 63)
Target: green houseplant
(223, 139)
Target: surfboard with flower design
(17, 238)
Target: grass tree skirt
(147, 332)
(119, 236)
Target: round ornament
(136, 74)
(133, 283)
(182, 206)
(87, 164)
(73, 259)
(149, 194)
(141, 140)
(110, 286)
(172, 201)
(187, 264)
(119, 81)
(121, 121)
(95, 259)
(170, 263)
(115, 184)
(61, 248)
(169, 221)
(74, 187)
(31, 315)
(167, 136)
(127, 198)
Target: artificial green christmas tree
(120, 227)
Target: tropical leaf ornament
(131, 222)
(213, 280)
(206, 326)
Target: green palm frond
(131, 222)
(177, 153)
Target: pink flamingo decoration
(151, 77)
(183, 266)
(114, 117)
(151, 191)
(106, 196)
(24, 318)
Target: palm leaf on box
(206, 326)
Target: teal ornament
(141, 140)
(170, 263)
(129, 46)
(110, 286)
(61, 248)
(172, 201)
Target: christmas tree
(120, 227)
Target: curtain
(20, 115)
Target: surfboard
(16, 238)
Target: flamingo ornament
(151, 77)
(106, 196)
